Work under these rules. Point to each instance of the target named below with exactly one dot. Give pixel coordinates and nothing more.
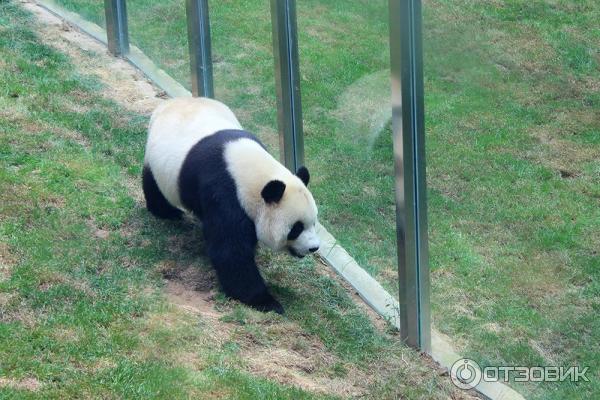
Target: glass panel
(241, 50)
(158, 28)
(513, 149)
(344, 63)
(243, 65)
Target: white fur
(178, 124)
(252, 167)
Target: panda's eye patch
(295, 231)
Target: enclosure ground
(513, 154)
(99, 299)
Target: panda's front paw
(265, 303)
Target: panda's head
(287, 218)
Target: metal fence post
(117, 34)
(198, 28)
(287, 79)
(406, 58)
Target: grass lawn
(513, 152)
(91, 302)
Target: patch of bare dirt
(292, 357)
(563, 156)
(23, 315)
(13, 309)
(97, 232)
(30, 384)
(191, 300)
(291, 367)
(14, 112)
(190, 288)
(7, 261)
(66, 334)
(49, 279)
(191, 243)
(102, 364)
(101, 233)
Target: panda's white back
(175, 127)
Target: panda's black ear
(303, 174)
(273, 191)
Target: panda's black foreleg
(240, 279)
(155, 201)
(231, 250)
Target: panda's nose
(313, 249)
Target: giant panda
(199, 160)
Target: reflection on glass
(344, 56)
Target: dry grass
(28, 384)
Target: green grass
(83, 312)
(513, 150)
(513, 143)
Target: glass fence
(91, 10)
(158, 29)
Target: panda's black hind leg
(156, 203)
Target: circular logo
(465, 373)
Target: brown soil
(294, 358)
(7, 261)
(193, 290)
